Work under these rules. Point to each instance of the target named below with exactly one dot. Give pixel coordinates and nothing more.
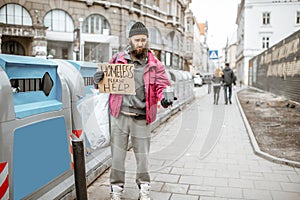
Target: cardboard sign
(118, 79)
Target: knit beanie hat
(138, 29)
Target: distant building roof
(202, 28)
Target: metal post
(79, 170)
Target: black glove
(165, 103)
(98, 76)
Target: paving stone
(184, 197)
(177, 170)
(227, 174)
(238, 167)
(257, 194)
(267, 185)
(212, 198)
(205, 172)
(156, 186)
(229, 192)
(291, 187)
(295, 178)
(278, 195)
(240, 183)
(202, 192)
(261, 169)
(202, 187)
(175, 188)
(196, 180)
(160, 195)
(170, 178)
(252, 175)
(227, 161)
(276, 177)
(209, 181)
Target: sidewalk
(204, 151)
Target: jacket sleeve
(162, 80)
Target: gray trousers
(216, 93)
(140, 133)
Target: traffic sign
(213, 54)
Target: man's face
(139, 43)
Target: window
(15, 14)
(157, 3)
(266, 18)
(12, 47)
(178, 12)
(154, 36)
(265, 42)
(170, 40)
(175, 62)
(188, 26)
(168, 59)
(298, 17)
(59, 20)
(96, 24)
(168, 7)
(188, 46)
(176, 43)
(96, 52)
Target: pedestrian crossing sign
(213, 54)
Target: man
(132, 114)
(228, 80)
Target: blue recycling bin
(87, 71)
(34, 122)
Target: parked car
(197, 80)
(207, 78)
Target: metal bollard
(79, 170)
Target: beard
(139, 53)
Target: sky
(221, 18)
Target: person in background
(228, 80)
(216, 82)
(209, 82)
(131, 115)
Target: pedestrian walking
(209, 85)
(228, 80)
(131, 115)
(216, 82)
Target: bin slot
(44, 84)
(28, 109)
(88, 81)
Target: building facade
(261, 24)
(200, 48)
(93, 30)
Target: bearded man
(131, 115)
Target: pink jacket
(155, 79)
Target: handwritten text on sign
(118, 79)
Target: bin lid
(82, 64)
(86, 69)
(175, 75)
(6, 59)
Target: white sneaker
(116, 193)
(144, 192)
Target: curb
(254, 144)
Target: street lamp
(80, 39)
